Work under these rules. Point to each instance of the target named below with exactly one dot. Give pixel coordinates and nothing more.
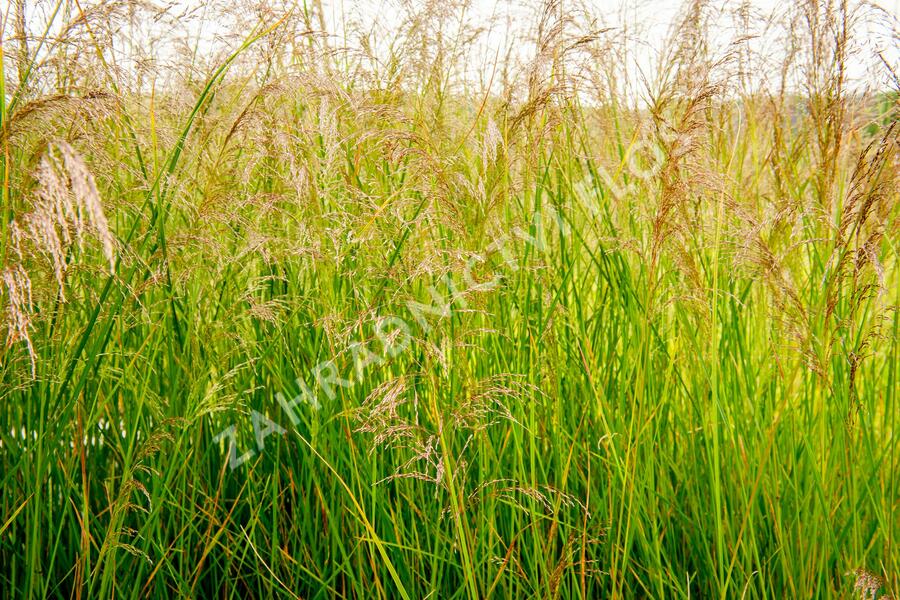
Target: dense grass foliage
(546, 339)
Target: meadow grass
(594, 344)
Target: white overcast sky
(646, 23)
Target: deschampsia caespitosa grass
(519, 304)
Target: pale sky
(644, 23)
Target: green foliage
(637, 353)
